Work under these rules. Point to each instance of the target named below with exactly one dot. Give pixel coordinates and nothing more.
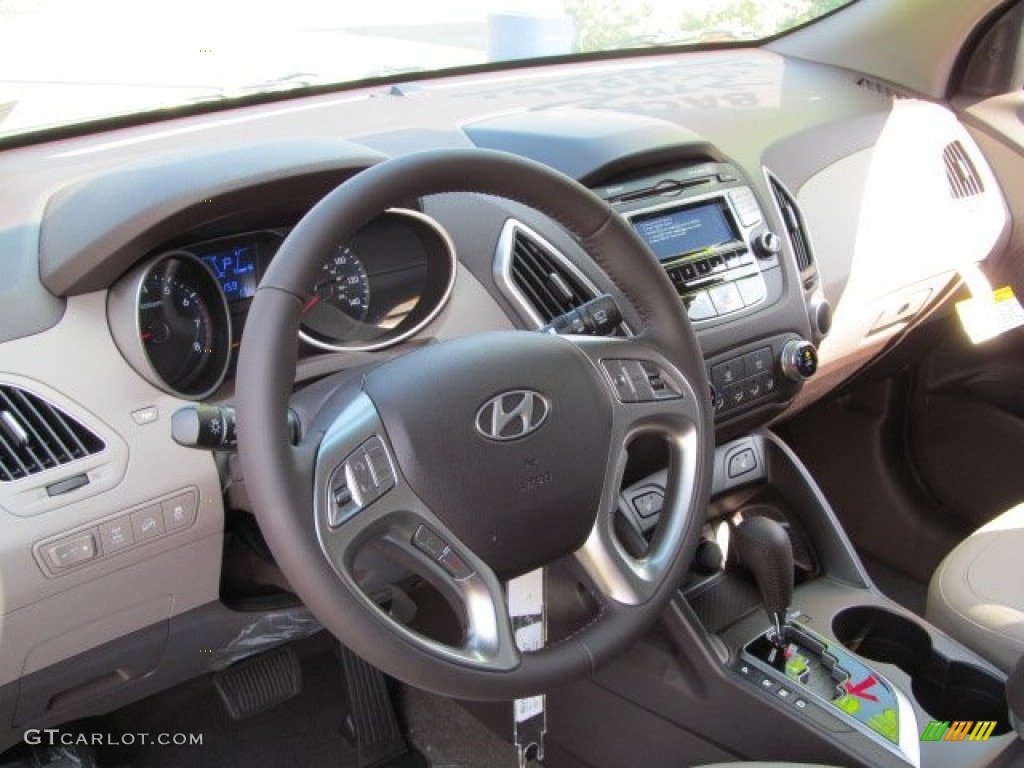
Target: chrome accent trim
(390, 341)
(525, 412)
(503, 271)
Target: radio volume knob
(799, 360)
(767, 244)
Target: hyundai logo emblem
(512, 414)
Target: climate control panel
(760, 373)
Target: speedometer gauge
(342, 285)
(382, 285)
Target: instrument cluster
(178, 317)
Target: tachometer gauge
(182, 329)
(342, 284)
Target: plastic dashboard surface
(81, 214)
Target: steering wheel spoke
(362, 500)
(650, 397)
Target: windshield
(68, 61)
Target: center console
(705, 226)
(823, 668)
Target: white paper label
(986, 317)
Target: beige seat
(977, 592)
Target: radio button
(699, 306)
(752, 289)
(689, 272)
(717, 263)
(703, 267)
(726, 298)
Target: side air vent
(550, 286)
(36, 436)
(797, 231)
(960, 171)
(882, 89)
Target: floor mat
(449, 737)
(304, 731)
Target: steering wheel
(481, 458)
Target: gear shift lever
(764, 549)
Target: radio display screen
(685, 230)
(236, 270)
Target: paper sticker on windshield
(987, 317)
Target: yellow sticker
(987, 317)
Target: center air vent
(548, 283)
(960, 172)
(797, 231)
(36, 436)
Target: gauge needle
(147, 336)
(311, 303)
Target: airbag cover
(517, 503)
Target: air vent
(36, 436)
(882, 89)
(797, 232)
(544, 279)
(960, 171)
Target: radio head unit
(706, 228)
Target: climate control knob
(799, 360)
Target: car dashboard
(793, 206)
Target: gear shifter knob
(764, 549)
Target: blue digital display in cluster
(686, 230)
(236, 271)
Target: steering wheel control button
(179, 512)
(360, 480)
(454, 564)
(72, 551)
(621, 381)
(741, 463)
(639, 382)
(116, 535)
(661, 385)
(438, 550)
(148, 523)
(429, 543)
(648, 504)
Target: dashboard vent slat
(36, 436)
(796, 229)
(960, 172)
(543, 280)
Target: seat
(977, 592)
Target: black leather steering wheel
(477, 459)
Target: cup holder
(945, 689)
